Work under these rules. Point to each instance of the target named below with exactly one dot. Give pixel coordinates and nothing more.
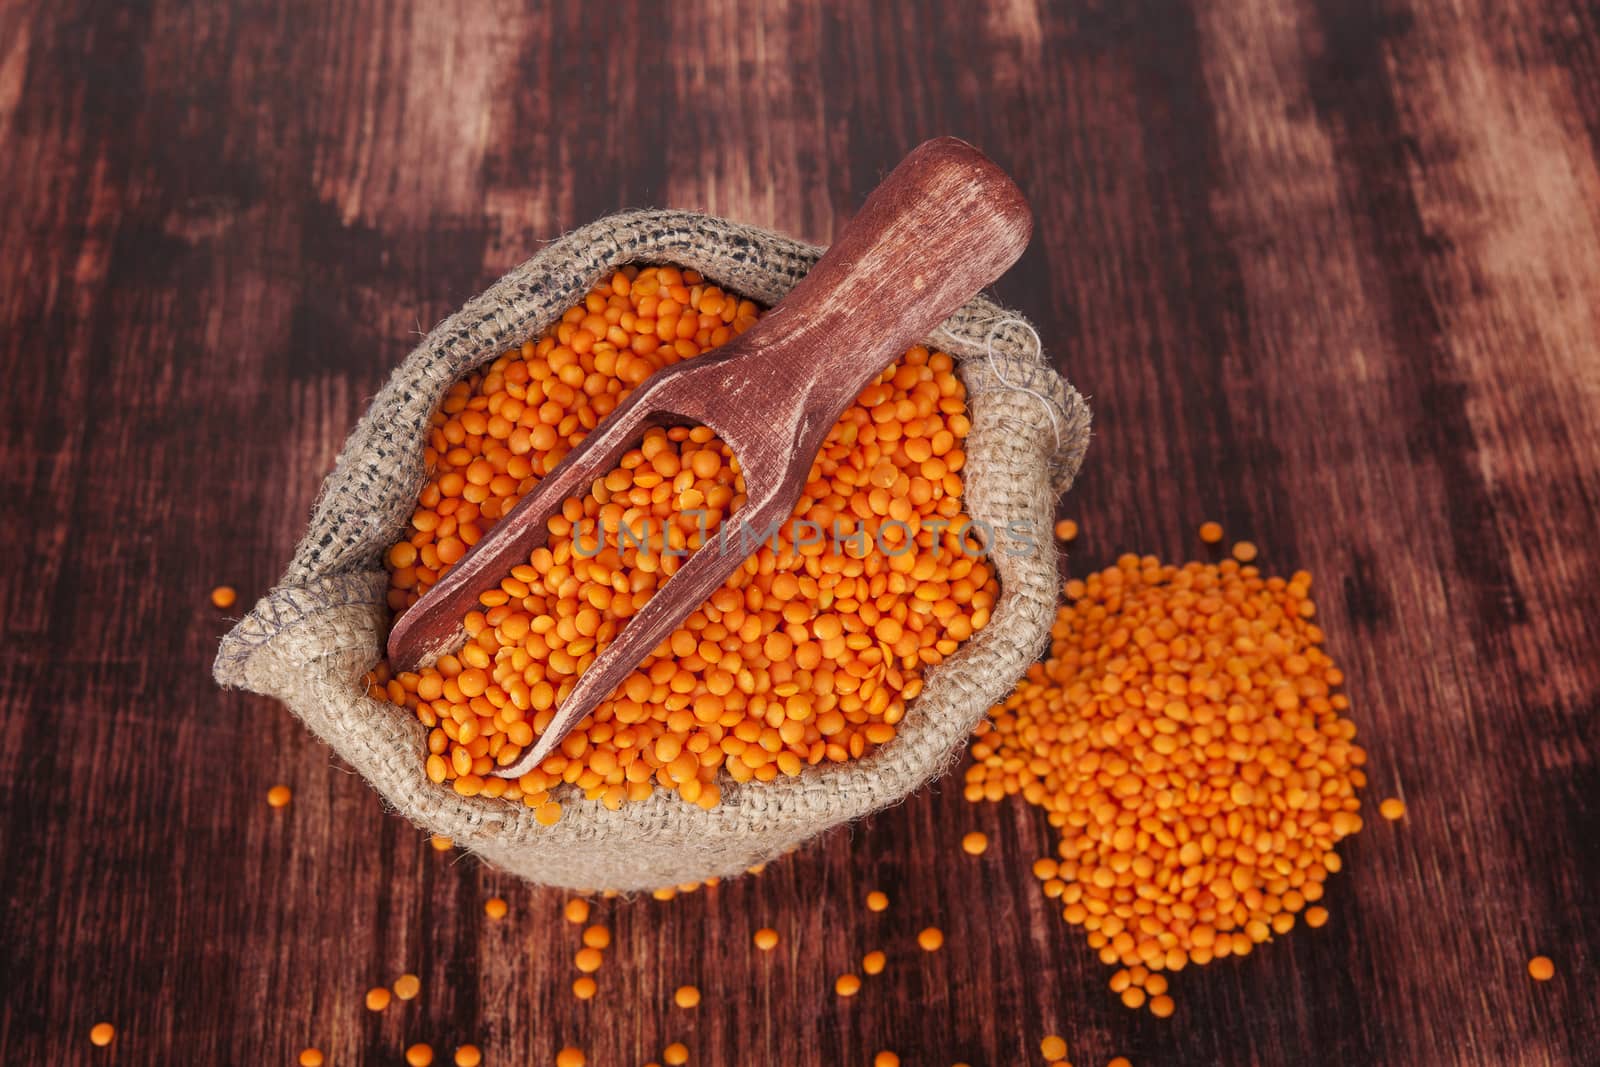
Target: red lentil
(278, 796)
(495, 908)
(311, 1057)
(806, 655)
(766, 939)
(1541, 968)
(1392, 809)
(931, 939)
(101, 1034)
(407, 986)
(1187, 741)
(469, 1056)
(420, 1055)
(975, 844)
(224, 596)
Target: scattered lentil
(886, 1059)
(577, 911)
(420, 1055)
(805, 655)
(1053, 1047)
(311, 1057)
(847, 985)
(877, 901)
(1392, 809)
(1162, 1007)
(407, 986)
(441, 843)
(495, 908)
(1211, 532)
(766, 939)
(931, 939)
(570, 1057)
(100, 1034)
(469, 1056)
(873, 962)
(377, 998)
(1066, 530)
(1316, 917)
(675, 1054)
(597, 936)
(224, 596)
(278, 796)
(588, 960)
(687, 996)
(1244, 551)
(1541, 968)
(975, 844)
(585, 988)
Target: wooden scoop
(945, 223)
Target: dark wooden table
(1329, 271)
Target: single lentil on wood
(1187, 741)
(805, 655)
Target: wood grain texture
(1327, 270)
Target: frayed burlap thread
(311, 641)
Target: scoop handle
(945, 223)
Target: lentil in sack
(312, 641)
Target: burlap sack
(311, 641)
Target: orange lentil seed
(597, 936)
(1392, 809)
(1211, 532)
(1066, 530)
(407, 986)
(1541, 968)
(974, 844)
(570, 1057)
(585, 988)
(766, 939)
(1244, 551)
(378, 998)
(1053, 1047)
(847, 985)
(687, 996)
(100, 1034)
(224, 596)
(1188, 740)
(931, 939)
(886, 1059)
(877, 901)
(495, 908)
(577, 911)
(441, 843)
(874, 962)
(675, 1054)
(468, 1056)
(807, 655)
(311, 1057)
(420, 1055)
(278, 796)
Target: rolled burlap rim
(311, 641)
